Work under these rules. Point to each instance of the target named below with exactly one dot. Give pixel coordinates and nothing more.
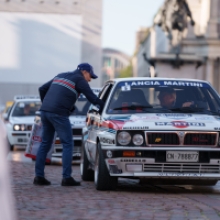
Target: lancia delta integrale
(153, 128)
(20, 118)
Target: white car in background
(20, 119)
(78, 121)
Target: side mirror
(5, 116)
(94, 108)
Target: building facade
(113, 61)
(41, 38)
(190, 52)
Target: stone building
(191, 51)
(113, 61)
(41, 38)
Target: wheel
(86, 173)
(103, 181)
(10, 147)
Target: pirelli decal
(66, 83)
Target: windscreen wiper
(213, 112)
(188, 109)
(133, 107)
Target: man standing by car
(58, 97)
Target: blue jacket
(60, 94)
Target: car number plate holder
(182, 156)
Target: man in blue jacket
(58, 97)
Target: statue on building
(173, 19)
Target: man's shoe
(41, 181)
(69, 182)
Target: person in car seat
(58, 98)
(167, 98)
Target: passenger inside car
(168, 99)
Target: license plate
(182, 156)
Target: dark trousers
(61, 124)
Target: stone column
(209, 70)
(212, 27)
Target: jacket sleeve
(43, 89)
(83, 87)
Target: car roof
(155, 79)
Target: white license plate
(182, 156)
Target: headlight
(16, 127)
(124, 138)
(138, 139)
(19, 127)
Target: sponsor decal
(180, 124)
(110, 161)
(77, 122)
(107, 141)
(137, 118)
(135, 128)
(37, 138)
(175, 115)
(217, 128)
(126, 85)
(203, 118)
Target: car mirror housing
(5, 116)
(95, 108)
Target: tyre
(10, 147)
(86, 173)
(103, 181)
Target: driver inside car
(167, 98)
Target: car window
(81, 106)
(154, 96)
(25, 108)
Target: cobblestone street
(131, 200)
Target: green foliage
(126, 72)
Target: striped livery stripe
(66, 83)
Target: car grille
(182, 138)
(182, 168)
(77, 131)
(200, 139)
(163, 138)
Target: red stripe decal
(64, 82)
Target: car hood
(22, 120)
(163, 121)
(78, 121)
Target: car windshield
(81, 106)
(26, 108)
(158, 96)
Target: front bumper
(19, 138)
(152, 163)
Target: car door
(94, 119)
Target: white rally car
(20, 119)
(78, 120)
(138, 135)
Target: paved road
(131, 200)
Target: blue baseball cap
(87, 67)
